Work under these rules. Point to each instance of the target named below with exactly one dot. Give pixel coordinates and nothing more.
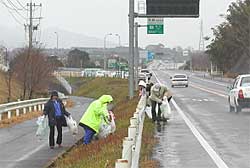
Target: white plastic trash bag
(148, 111)
(104, 131)
(165, 109)
(112, 123)
(43, 127)
(72, 125)
(107, 128)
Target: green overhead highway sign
(155, 26)
(155, 29)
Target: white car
(239, 94)
(100, 73)
(179, 80)
(144, 74)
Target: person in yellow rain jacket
(93, 117)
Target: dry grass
(103, 153)
(16, 89)
(148, 143)
(69, 103)
(18, 119)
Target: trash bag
(104, 131)
(148, 111)
(72, 125)
(165, 109)
(107, 128)
(112, 123)
(43, 127)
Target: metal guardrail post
(127, 149)
(9, 114)
(121, 163)
(39, 107)
(132, 143)
(132, 132)
(17, 112)
(0, 117)
(24, 110)
(30, 109)
(35, 108)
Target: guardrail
(22, 107)
(132, 143)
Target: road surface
(21, 149)
(223, 138)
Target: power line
(21, 5)
(16, 9)
(13, 5)
(14, 17)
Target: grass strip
(104, 152)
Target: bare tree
(8, 80)
(33, 71)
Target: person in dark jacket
(55, 110)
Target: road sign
(173, 8)
(150, 56)
(112, 63)
(155, 26)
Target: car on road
(179, 80)
(239, 93)
(144, 74)
(100, 73)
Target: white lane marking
(218, 93)
(208, 90)
(216, 158)
(27, 155)
(205, 80)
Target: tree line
(33, 70)
(230, 47)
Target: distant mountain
(15, 37)
(69, 39)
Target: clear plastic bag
(148, 111)
(104, 131)
(43, 127)
(165, 109)
(107, 128)
(72, 125)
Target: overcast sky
(99, 17)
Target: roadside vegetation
(16, 89)
(229, 48)
(104, 152)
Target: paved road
(21, 149)
(205, 105)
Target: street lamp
(119, 37)
(104, 51)
(56, 43)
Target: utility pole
(136, 55)
(56, 43)
(104, 51)
(201, 42)
(30, 25)
(131, 48)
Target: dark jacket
(49, 110)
